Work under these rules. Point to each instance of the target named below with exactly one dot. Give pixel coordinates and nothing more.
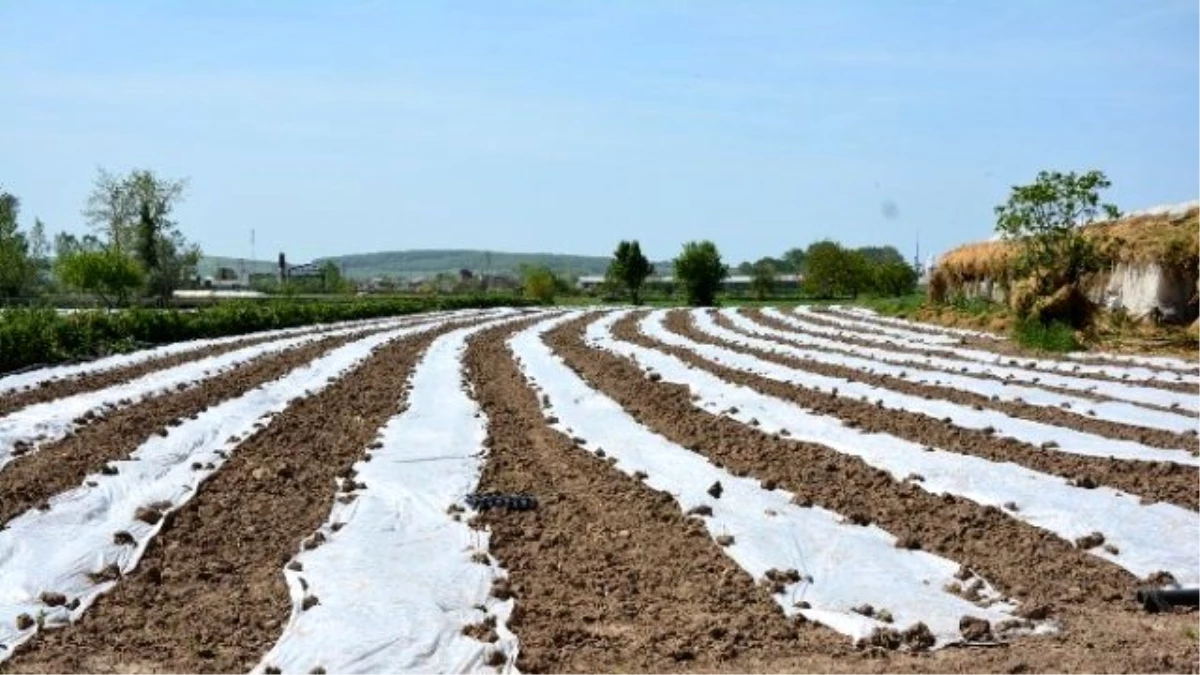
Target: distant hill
(423, 263)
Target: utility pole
(917, 255)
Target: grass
(1047, 337)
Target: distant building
(307, 270)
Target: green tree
(39, 248)
(16, 269)
(895, 279)
(134, 213)
(698, 268)
(629, 269)
(823, 262)
(539, 283)
(107, 273)
(1045, 219)
(878, 255)
(332, 280)
(795, 258)
(856, 273)
(762, 279)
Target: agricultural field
(552, 489)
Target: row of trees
(135, 247)
(828, 269)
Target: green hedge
(37, 336)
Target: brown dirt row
(608, 574)
(1017, 358)
(209, 595)
(681, 322)
(1102, 628)
(769, 322)
(913, 326)
(1151, 481)
(1158, 481)
(994, 343)
(56, 389)
(30, 481)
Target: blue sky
(563, 126)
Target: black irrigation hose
(496, 500)
(1163, 599)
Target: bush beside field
(43, 336)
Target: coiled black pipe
(495, 500)
(1163, 599)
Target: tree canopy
(629, 269)
(17, 270)
(133, 212)
(699, 270)
(1045, 219)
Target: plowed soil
(1017, 355)
(680, 322)
(209, 595)
(31, 480)
(606, 573)
(1090, 597)
(56, 389)
(1158, 481)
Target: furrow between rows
(989, 342)
(1060, 439)
(1111, 420)
(1091, 597)
(200, 589)
(1143, 538)
(27, 430)
(351, 611)
(1153, 481)
(917, 327)
(32, 481)
(818, 563)
(1024, 366)
(606, 573)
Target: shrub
(1055, 336)
(34, 336)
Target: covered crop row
(670, 491)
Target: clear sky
(564, 125)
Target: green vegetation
(762, 279)
(832, 270)
(106, 273)
(17, 271)
(540, 284)
(629, 270)
(1053, 336)
(1045, 219)
(44, 336)
(699, 269)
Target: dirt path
(210, 596)
(29, 481)
(608, 574)
(1159, 481)
(1103, 628)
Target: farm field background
(747, 489)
